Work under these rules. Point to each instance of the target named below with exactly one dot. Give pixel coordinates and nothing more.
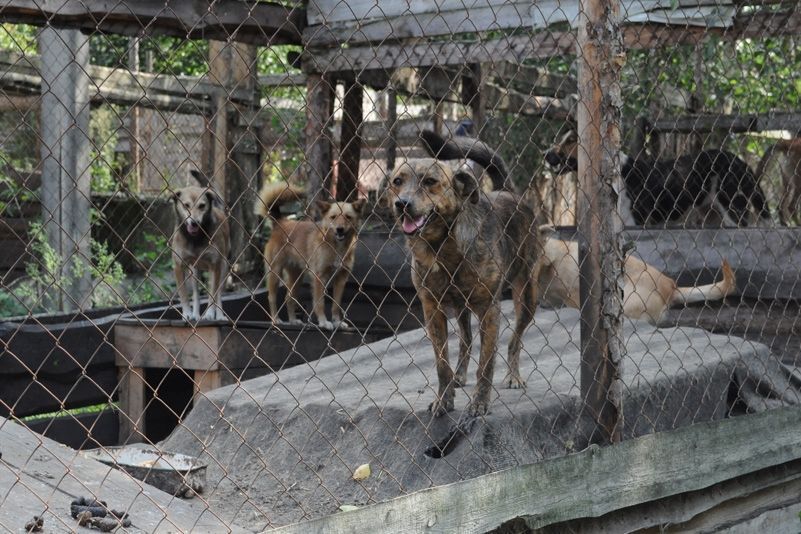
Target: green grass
(94, 408)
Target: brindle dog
(465, 244)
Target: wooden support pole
(65, 161)
(474, 96)
(132, 389)
(235, 158)
(319, 98)
(134, 138)
(600, 59)
(392, 127)
(350, 142)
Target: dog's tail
(273, 196)
(716, 291)
(461, 147)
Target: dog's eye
(349, 217)
(428, 182)
(332, 217)
(397, 181)
(187, 206)
(201, 206)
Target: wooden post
(134, 150)
(132, 386)
(234, 153)
(350, 142)
(319, 97)
(392, 127)
(600, 59)
(474, 96)
(65, 146)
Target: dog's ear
(322, 206)
(199, 177)
(466, 184)
(358, 205)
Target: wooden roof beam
(262, 23)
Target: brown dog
(326, 249)
(465, 243)
(200, 243)
(647, 292)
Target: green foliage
(105, 164)
(94, 408)
(158, 282)
(171, 55)
(19, 38)
(49, 272)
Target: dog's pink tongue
(412, 225)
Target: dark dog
(465, 244)
(660, 191)
(200, 243)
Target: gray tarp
(281, 448)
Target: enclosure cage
(591, 206)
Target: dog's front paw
(478, 407)
(188, 316)
(514, 381)
(441, 406)
(460, 379)
(341, 323)
(211, 314)
(326, 325)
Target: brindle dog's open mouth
(412, 225)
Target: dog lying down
(647, 292)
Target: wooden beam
(590, 483)
(290, 79)
(536, 45)
(501, 98)
(261, 23)
(599, 225)
(758, 122)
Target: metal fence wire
(284, 260)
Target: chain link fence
(282, 261)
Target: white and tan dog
(200, 242)
(647, 292)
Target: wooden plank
(165, 347)
(290, 79)
(205, 381)
(262, 23)
(29, 394)
(331, 11)
(706, 510)
(501, 98)
(591, 483)
(480, 16)
(82, 431)
(41, 477)
(758, 122)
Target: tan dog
(325, 249)
(790, 204)
(465, 244)
(200, 243)
(647, 292)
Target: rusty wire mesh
(101, 131)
